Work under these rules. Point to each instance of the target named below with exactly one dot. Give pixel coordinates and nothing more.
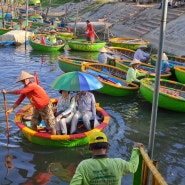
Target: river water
(130, 122)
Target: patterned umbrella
(76, 81)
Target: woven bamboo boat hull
(125, 64)
(66, 35)
(123, 53)
(48, 48)
(180, 73)
(46, 139)
(83, 45)
(171, 94)
(68, 64)
(114, 83)
(129, 43)
(172, 59)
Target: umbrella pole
(157, 80)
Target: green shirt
(132, 75)
(105, 171)
(52, 39)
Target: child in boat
(133, 74)
(66, 108)
(103, 56)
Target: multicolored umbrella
(76, 81)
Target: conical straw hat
(103, 50)
(53, 31)
(143, 46)
(135, 61)
(164, 57)
(24, 75)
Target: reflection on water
(130, 122)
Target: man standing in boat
(42, 106)
(90, 32)
(141, 55)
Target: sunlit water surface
(130, 122)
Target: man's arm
(77, 177)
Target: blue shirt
(86, 102)
(102, 58)
(141, 55)
(164, 65)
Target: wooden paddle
(6, 115)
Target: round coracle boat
(42, 137)
(129, 43)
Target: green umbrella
(76, 81)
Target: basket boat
(129, 43)
(68, 64)
(125, 64)
(22, 120)
(83, 45)
(171, 93)
(113, 79)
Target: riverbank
(127, 19)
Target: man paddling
(42, 106)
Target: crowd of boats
(112, 75)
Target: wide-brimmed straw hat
(53, 31)
(135, 61)
(164, 57)
(24, 75)
(98, 137)
(143, 46)
(103, 50)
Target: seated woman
(165, 66)
(66, 107)
(86, 109)
(133, 75)
(141, 55)
(103, 56)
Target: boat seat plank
(42, 124)
(106, 77)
